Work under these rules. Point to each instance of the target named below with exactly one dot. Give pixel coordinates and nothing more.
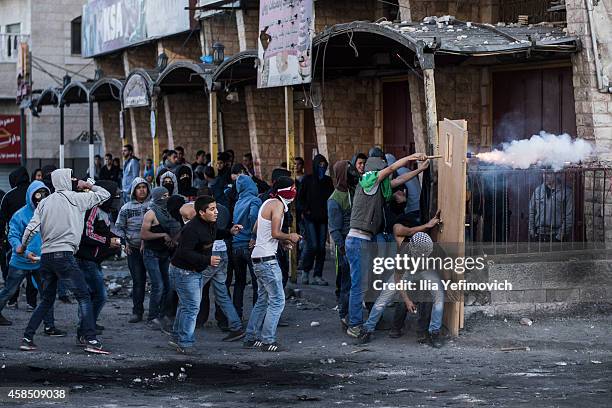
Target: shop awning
(238, 70)
(362, 45)
(184, 76)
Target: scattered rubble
(526, 321)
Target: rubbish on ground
(522, 348)
(314, 324)
(526, 321)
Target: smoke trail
(544, 149)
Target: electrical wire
(41, 69)
(59, 67)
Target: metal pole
(22, 136)
(214, 127)
(91, 140)
(61, 147)
(290, 142)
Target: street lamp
(218, 52)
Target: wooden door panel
(398, 136)
(452, 178)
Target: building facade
(52, 31)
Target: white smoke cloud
(544, 149)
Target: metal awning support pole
(22, 136)
(213, 120)
(290, 142)
(91, 139)
(61, 146)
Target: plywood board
(452, 179)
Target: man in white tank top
(261, 329)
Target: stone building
(53, 36)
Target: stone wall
(484, 11)
(266, 118)
(235, 125)
(345, 121)
(189, 121)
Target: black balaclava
(169, 185)
(38, 196)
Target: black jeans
(205, 309)
(242, 262)
(314, 253)
(139, 280)
(62, 266)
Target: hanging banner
(10, 139)
(110, 25)
(286, 29)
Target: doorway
(398, 135)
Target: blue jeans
(314, 253)
(344, 275)
(95, 280)
(270, 303)
(386, 297)
(188, 286)
(156, 264)
(353, 254)
(13, 279)
(139, 280)
(62, 266)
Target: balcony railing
(9, 46)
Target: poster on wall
(110, 25)
(286, 29)
(10, 139)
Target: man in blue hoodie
(28, 263)
(245, 214)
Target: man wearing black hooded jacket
(11, 202)
(315, 189)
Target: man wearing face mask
(339, 218)
(261, 330)
(26, 265)
(193, 265)
(315, 189)
(168, 180)
(185, 183)
(98, 243)
(159, 229)
(60, 221)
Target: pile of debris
(118, 286)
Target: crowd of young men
(208, 227)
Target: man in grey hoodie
(128, 224)
(131, 170)
(59, 219)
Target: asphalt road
(569, 363)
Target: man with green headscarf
(367, 219)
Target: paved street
(569, 363)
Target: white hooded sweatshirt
(60, 217)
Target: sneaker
(252, 344)
(223, 326)
(235, 335)
(364, 337)
(95, 347)
(30, 308)
(65, 299)
(99, 327)
(435, 340)
(304, 279)
(54, 332)
(185, 350)
(80, 341)
(282, 323)
(135, 318)
(272, 347)
(13, 305)
(395, 333)
(155, 324)
(319, 281)
(173, 343)
(423, 337)
(27, 345)
(344, 323)
(4, 321)
(354, 331)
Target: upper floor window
(75, 36)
